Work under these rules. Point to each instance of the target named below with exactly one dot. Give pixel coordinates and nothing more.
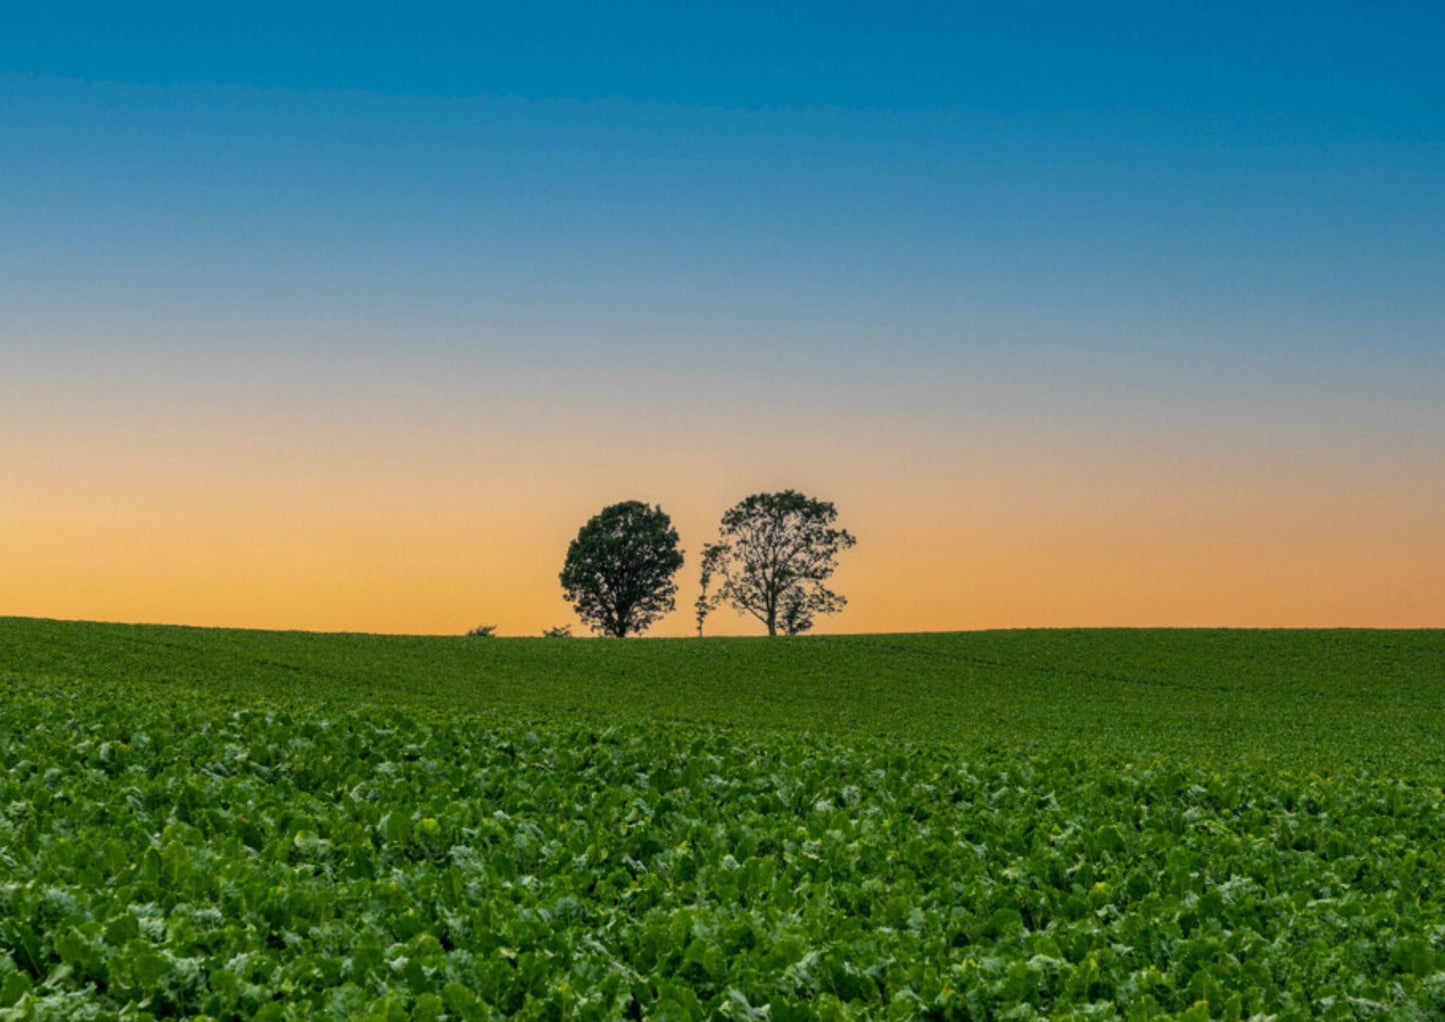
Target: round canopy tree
(775, 553)
(619, 570)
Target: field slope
(1322, 699)
(1187, 825)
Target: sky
(348, 316)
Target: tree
(777, 551)
(713, 555)
(618, 573)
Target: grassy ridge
(1030, 825)
(1311, 699)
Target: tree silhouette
(713, 555)
(776, 552)
(618, 573)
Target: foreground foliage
(187, 859)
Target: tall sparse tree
(778, 551)
(713, 555)
(619, 570)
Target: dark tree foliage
(619, 569)
(777, 551)
(713, 556)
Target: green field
(1024, 824)
(1309, 699)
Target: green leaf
(15, 986)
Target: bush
(560, 632)
(484, 632)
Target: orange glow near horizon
(298, 527)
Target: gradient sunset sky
(347, 316)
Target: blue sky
(1214, 179)
(1160, 232)
(1324, 69)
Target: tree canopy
(619, 571)
(775, 553)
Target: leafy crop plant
(219, 860)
